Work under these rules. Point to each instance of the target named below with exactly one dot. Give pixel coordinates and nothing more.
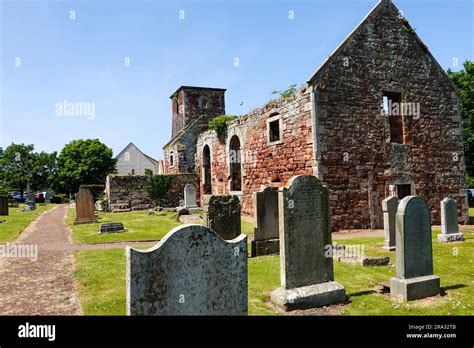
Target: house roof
(374, 11)
(154, 161)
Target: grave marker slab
(191, 271)
(306, 270)
(3, 205)
(223, 216)
(190, 202)
(111, 227)
(85, 208)
(389, 208)
(449, 222)
(414, 259)
(266, 230)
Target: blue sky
(82, 59)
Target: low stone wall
(128, 192)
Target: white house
(132, 161)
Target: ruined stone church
(380, 117)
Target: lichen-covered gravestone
(449, 222)
(190, 198)
(266, 231)
(223, 216)
(414, 266)
(306, 270)
(389, 208)
(85, 208)
(3, 205)
(191, 271)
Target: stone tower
(192, 108)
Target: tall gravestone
(3, 205)
(306, 270)
(266, 231)
(85, 208)
(190, 202)
(223, 216)
(414, 266)
(449, 222)
(191, 271)
(389, 208)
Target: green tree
(464, 81)
(20, 165)
(84, 162)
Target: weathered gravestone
(29, 202)
(191, 271)
(389, 208)
(306, 270)
(266, 230)
(223, 216)
(111, 227)
(85, 208)
(414, 266)
(449, 222)
(3, 205)
(190, 198)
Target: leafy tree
(464, 80)
(84, 162)
(20, 165)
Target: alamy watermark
(68, 108)
(29, 251)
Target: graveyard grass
(100, 281)
(138, 224)
(18, 220)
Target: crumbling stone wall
(263, 164)
(132, 189)
(356, 157)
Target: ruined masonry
(379, 118)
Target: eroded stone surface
(414, 255)
(306, 271)
(85, 208)
(222, 214)
(192, 271)
(389, 208)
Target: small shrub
(158, 186)
(287, 92)
(220, 123)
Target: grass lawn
(17, 220)
(100, 280)
(138, 225)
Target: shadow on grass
(362, 293)
(444, 289)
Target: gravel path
(44, 286)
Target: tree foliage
(159, 185)
(20, 165)
(464, 80)
(84, 162)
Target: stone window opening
(393, 110)
(204, 103)
(206, 166)
(274, 129)
(235, 164)
(171, 161)
(403, 190)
